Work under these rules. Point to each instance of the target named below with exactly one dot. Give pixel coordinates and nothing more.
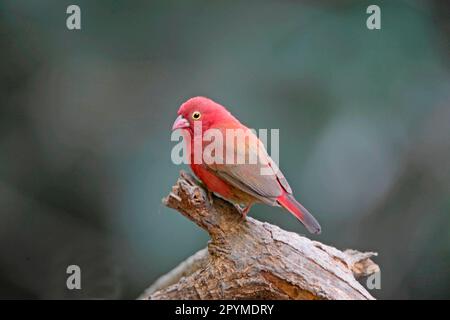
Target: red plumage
(242, 184)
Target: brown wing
(262, 179)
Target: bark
(249, 259)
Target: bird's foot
(243, 211)
(246, 210)
(210, 197)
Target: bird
(242, 184)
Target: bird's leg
(246, 209)
(243, 211)
(238, 208)
(210, 197)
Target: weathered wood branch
(249, 259)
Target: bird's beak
(180, 123)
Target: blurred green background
(85, 119)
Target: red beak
(180, 123)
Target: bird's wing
(261, 179)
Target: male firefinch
(241, 183)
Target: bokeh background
(85, 119)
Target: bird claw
(243, 211)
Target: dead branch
(249, 259)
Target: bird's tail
(288, 202)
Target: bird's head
(200, 109)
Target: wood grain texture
(249, 259)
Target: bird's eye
(196, 115)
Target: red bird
(242, 184)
